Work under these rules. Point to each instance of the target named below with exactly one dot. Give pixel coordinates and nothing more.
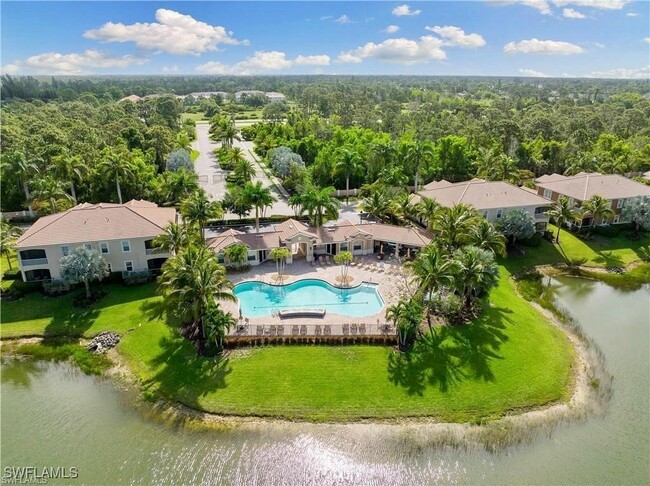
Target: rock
(103, 341)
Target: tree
(16, 163)
(259, 197)
(179, 159)
(223, 129)
(198, 210)
(49, 190)
(275, 112)
(172, 187)
(426, 210)
(562, 211)
(8, 236)
(402, 205)
(174, 238)
(83, 265)
(159, 140)
(282, 158)
(476, 274)
(406, 315)
(216, 324)
(597, 207)
(517, 224)
(118, 165)
(295, 203)
(320, 205)
(344, 259)
(244, 171)
(70, 168)
(378, 205)
(485, 236)
(234, 156)
(280, 255)
(183, 142)
(236, 254)
(349, 164)
(418, 156)
(453, 225)
(637, 211)
(235, 202)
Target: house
(121, 233)
(490, 198)
(240, 95)
(583, 186)
(132, 98)
(273, 96)
(208, 94)
(309, 243)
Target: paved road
(213, 179)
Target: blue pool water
(257, 299)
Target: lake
(54, 415)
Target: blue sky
(597, 38)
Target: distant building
(208, 94)
(132, 98)
(273, 96)
(239, 95)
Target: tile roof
(584, 186)
(399, 234)
(481, 194)
(98, 222)
(254, 241)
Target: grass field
(192, 116)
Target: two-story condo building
(490, 198)
(121, 233)
(583, 186)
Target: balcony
(33, 262)
(541, 217)
(154, 251)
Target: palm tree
(454, 224)
(235, 155)
(244, 171)
(198, 210)
(320, 205)
(476, 274)
(173, 239)
(216, 324)
(280, 255)
(416, 156)
(377, 205)
(223, 129)
(16, 163)
(597, 207)
(178, 185)
(485, 162)
(48, 189)
(485, 236)
(192, 281)
(562, 211)
(183, 141)
(259, 197)
(236, 254)
(295, 203)
(118, 165)
(406, 316)
(432, 270)
(70, 168)
(383, 155)
(8, 236)
(426, 211)
(349, 164)
(401, 205)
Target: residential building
(490, 198)
(208, 94)
(239, 95)
(273, 96)
(121, 233)
(618, 190)
(132, 98)
(309, 243)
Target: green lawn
(192, 116)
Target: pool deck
(389, 277)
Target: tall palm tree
(485, 162)
(17, 164)
(235, 155)
(198, 210)
(349, 164)
(377, 204)
(70, 168)
(417, 155)
(320, 205)
(432, 270)
(223, 129)
(485, 236)
(244, 171)
(117, 164)
(383, 155)
(8, 236)
(295, 203)
(216, 324)
(476, 274)
(597, 207)
(50, 190)
(562, 211)
(259, 197)
(453, 225)
(174, 238)
(179, 185)
(426, 211)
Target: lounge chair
(303, 330)
(317, 330)
(353, 328)
(328, 260)
(294, 330)
(346, 329)
(260, 330)
(320, 261)
(362, 328)
(327, 330)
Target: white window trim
(620, 204)
(65, 252)
(486, 214)
(499, 213)
(108, 249)
(548, 193)
(126, 266)
(88, 246)
(129, 243)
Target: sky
(538, 38)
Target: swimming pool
(257, 299)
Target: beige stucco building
(121, 233)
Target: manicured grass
(5, 283)
(192, 116)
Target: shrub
(532, 242)
(179, 159)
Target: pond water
(54, 415)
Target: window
(65, 250)
(220, 258)
(128, 266)
(572, 202)
(33, 255)
(620, 203)
(499, 213)
(88, 246)
(251, 258)
(343, 247)
(103, 247)
(548, 193)
(110, 268)
(358, 246)
(126, 246)
(617, 219)
(485, 214)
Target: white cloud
(541, 5)
(263, 62)
(173, 33)
(599, 4)
(569, 13)
(531, 73)
(623, 73)
(536, 46)
(403, 10)
(343, 19)
(455, 36)
(73, 63)
(402, 51)
(391, 29)
(170, 69)
(319, 60)
(327, 17)
(647, 40)
(632, 14)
